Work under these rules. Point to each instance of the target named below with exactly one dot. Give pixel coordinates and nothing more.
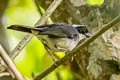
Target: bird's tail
(21, 28)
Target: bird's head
(82, 29)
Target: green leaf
(94, 2)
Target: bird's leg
(49, 52)
(51, 55)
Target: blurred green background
(33, 59)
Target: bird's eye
(82, 29)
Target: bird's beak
(88, 34)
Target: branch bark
(41, 21)
(4, 74)
(10, 64)
(82, 45)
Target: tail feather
(20, 28)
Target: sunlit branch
(4, 74)
(82, 45)
(10, 64)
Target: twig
(59, 77)
(20, 46)
(41, 21)
(99, 17)
(80, 66)
(48, 12)
(38, 7)
(4, 74)
(82, 45)
(10, 64)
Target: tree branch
(10, 64)
(4, 74)
(41, 21)
(82, 45)
(38, 7)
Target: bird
(57, 37)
